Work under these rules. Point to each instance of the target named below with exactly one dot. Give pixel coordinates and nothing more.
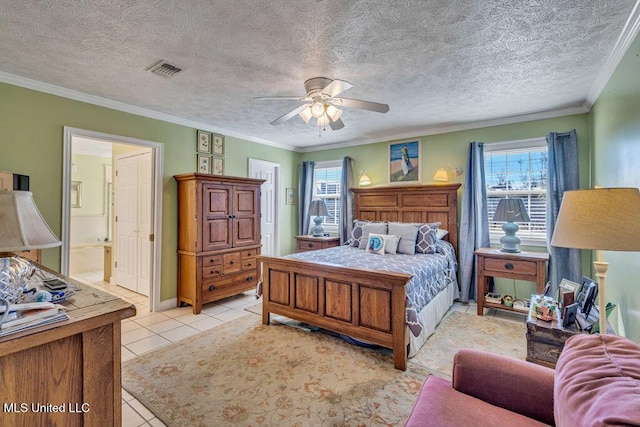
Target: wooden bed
(365, 304)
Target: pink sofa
(596, 383)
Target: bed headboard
(416, 203)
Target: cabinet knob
(508, 266)
(231, 262)
(310, 245)
(212, 287)
(249, 278)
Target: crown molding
(126, 108)
(626, 37)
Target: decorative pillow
(408, 234)
(372, 227)
(375, 243)
(426, 240)
(356, 233)
(440, 233)
(391, 243)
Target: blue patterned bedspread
(431, 272)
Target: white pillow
(440, 233)
(408, 233)
(375, 243)
(372, 227)
(391, 243)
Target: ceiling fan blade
(290, 114)
(338, 124)
(336, 87)
(363, 105)
(283, 98)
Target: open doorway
(97, 211)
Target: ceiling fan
(322, 103)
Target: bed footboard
(365, 304)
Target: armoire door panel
(245, 232)
(216, 234)
(245, 202)
(216, 201)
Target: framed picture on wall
(404, 162)
(291, 196)
(218, 144)
(218, 166)
(204, 142)
(204, 163)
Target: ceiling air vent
(164, 69)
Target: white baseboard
(168, 304)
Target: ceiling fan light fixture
(317, 109)
(305, 114)
(334, 113)
(323, 120)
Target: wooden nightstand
(529, 266)
(310, 243)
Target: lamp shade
(599, 219)
(364, 178)
(318, 208)
(21, 225)
(511, 210)
(441, 175)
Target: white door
(134, 222)
(268, 171)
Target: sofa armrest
(505, 382)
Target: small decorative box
(545, 308)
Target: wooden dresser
(74, 363)
(218, 237)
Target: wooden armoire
(218, 237)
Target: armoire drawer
(211, 288)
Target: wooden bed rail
(367, 305)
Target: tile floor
(147, 331)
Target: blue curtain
(562, 175)
(304, 196)
(346, 200)
(474, 223)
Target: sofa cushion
(440, 405)
(597, 382)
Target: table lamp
(510, 211)
(21, 228)
(600, 219)
(319, 209)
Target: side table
(529, 266)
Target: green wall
(31, 143)
(615, 122)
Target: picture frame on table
(218, 144)
(587, 295)
(567, 292)
(217, 168)
(404, 162)
(204, 142)
(203, 163)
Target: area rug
(244, 373)
(460, 330)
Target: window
(327, 177)
(518, 169)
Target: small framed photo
(587, 295)
(291, 196)
(404, 162)
(218, 144)
(218, 166)
(204, 142)
(567, 292)
(204, 163)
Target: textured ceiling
(437, 63)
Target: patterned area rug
(244, 373)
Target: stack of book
(30, 315)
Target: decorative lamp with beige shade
(600, 219)
(21, 228)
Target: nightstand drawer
(307, 245)
(510, 266)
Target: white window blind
(326, 186)
(518, 170)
